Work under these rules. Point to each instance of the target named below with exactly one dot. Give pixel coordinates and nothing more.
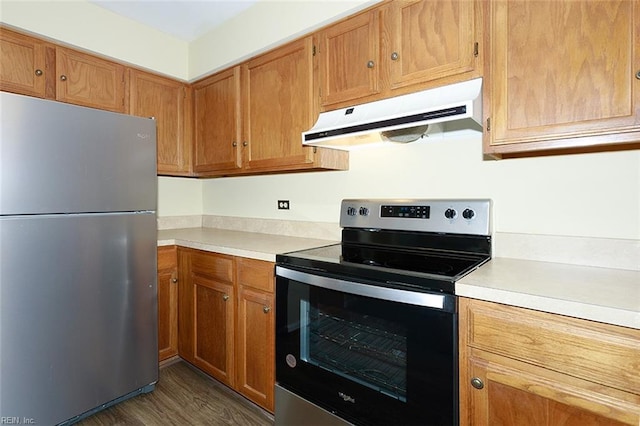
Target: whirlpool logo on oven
(346, 398)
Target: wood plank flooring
(183, 396)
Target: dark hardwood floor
(183, 396)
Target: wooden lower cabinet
(523, 367)
(167, 302)
(226, 320)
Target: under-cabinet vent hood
(407, 118)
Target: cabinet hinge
(488, 126)
(475, 49)
(313, 51)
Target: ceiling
(184, 19)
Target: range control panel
(458, 216)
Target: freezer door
(78, 312)
(61, 158)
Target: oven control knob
(364, 211)
(468, 214)
(351, 211)
(450, 214)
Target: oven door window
(368, 360)
(353, 343)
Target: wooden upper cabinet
(429, 40)
(217, 132)
(165, 100)
(561, 75)
(90, 81)
(350, 59)
(278, 106)
(23, 64)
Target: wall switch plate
(283, 204)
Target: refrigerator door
(61, 158)
(78, 312)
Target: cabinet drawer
(593, 351)
(218, 267)
(258, 274)
(167, 257)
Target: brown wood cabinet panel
(164, 99)
(350, 59)
(430, 40)
(217, 113)
(255, 336)
(23, 65)
(258, 274)
(167, 302)
(90, 81)
(519, 366)
(214, 328)
(278, 107)
(562, 75)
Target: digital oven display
(412, 212)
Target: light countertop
(600, 294)
(237, 243)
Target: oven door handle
(442, 302)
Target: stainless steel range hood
(429, 113)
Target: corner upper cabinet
(562, 75)
(166, 100)
(90, 81)
(24, 68)
(278, 105)
(217, 129)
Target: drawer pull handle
(477, 383)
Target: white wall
(80, 24)
(591, 195)
(266, 24)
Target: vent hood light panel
(459, 104)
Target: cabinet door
(217, 122)
(89, 81)
(430, 40)
(501, 391)
(23, 66)
(350, 59)
(214, 328)
(255, 359)
(167, 302)
(562, 74)
(278, 107)
(154, 96)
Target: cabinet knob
(245, 143)
(638, 75)
(225, 297)
(266, 309)
(394, 56)
(63, 77)
(234, 144)
(174, 280)
(370, 64)
(477, 383)
(38, 73)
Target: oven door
(372, 355)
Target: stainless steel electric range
(366, 330)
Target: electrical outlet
(283, 204)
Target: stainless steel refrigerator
(78, 295)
